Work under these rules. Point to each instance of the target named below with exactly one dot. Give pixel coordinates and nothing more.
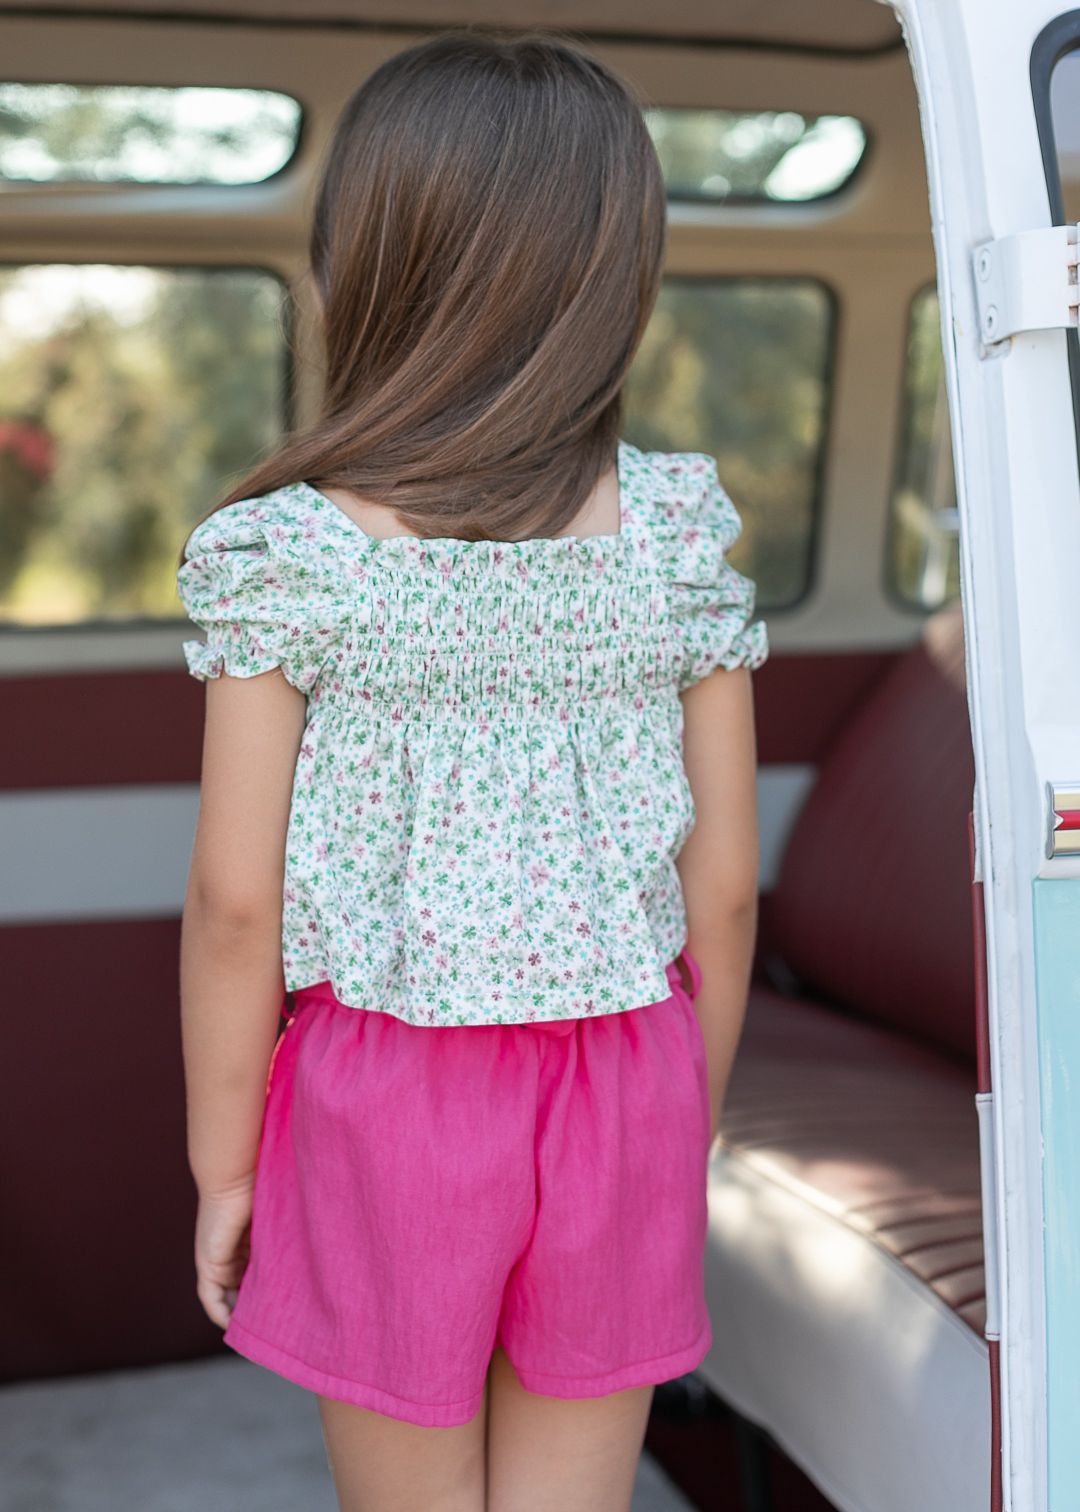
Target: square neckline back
(611, 539)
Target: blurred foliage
(112, 133)
(754, 154)
(923, 562)
(739, 368)
(133, 397)
(130, 398)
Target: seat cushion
(872, 907)
(844, 1265)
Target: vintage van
(870, 319)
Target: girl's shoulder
(665, 473)
(260, 579)
(279, 523)
(693, 523)
(680, 501)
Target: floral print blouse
(489, 794)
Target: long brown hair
(487, 243)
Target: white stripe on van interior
(123, 852)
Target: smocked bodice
(521, 629)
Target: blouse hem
(330, 993)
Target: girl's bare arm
(231, 983)
(718, 864)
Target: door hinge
(1026, 282)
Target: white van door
(999, 93)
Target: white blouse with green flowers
(489, 794)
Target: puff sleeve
(712, 602)
(260, 599)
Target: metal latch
(1027, 282)
(1063, 830)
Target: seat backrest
(872, 908)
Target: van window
(111, 133)
(130, 397)
(740, 368)
(923, 550)
(1055, 74)
(1065, 120)
(759, 155)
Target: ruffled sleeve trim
(712, 602)
(202, 660)
(232, 650)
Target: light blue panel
(1057, 979)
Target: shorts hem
(423, 1414)
(643, 1373)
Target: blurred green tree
(739, 368)
(924, 546)
(156, 388)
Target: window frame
(819, 474)
(124, 186)
(140, 623)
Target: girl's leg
(380, 1464)
(549, 1454)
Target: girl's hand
(222, 1247)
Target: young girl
(477, 811)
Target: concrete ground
(219, 1435)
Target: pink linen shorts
(425, 1193)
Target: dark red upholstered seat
(845, 1264)
(881, 1129)
(872, 908)
(872, 914)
